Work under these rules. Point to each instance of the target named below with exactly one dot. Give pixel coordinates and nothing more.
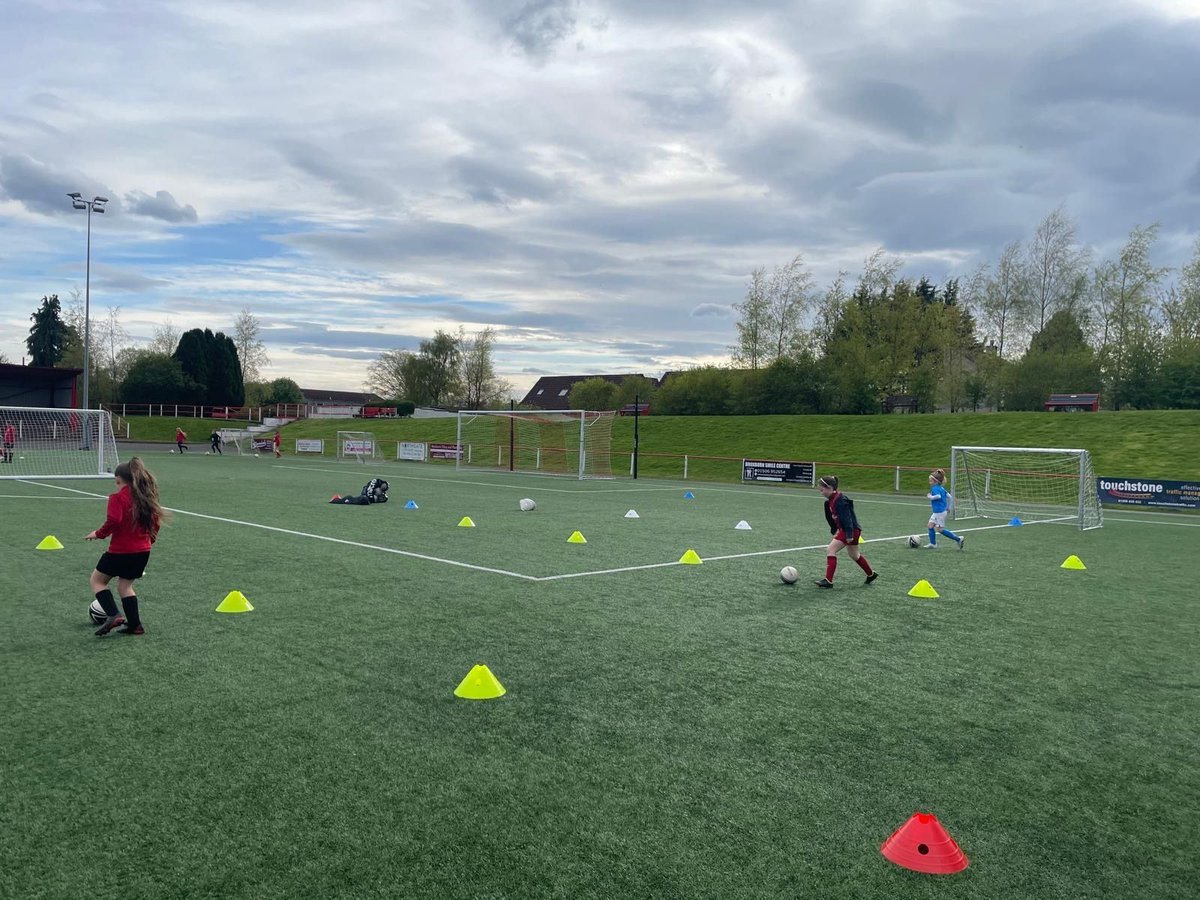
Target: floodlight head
(75, 195)
(100, 200)
(79, 204)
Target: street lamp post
(96, 204)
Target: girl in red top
(10, 439)
(180, 437)
(134, 516)
(277, 440)
(843, 525)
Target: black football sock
(131, 611)
(107, 603)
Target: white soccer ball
(913, 542)
(528, 505)
(256, 456)
(170, 451)
(208, 453)
(96, 612)
(789, 575)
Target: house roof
(352, 398)
(552, 391)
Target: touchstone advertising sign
(1149, 492)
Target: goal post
(359, 445)
(1034, 484)
(572, 442)
(56, 443)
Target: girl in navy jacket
(843, 525)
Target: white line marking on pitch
(513, 487)
(321, 537)
(35, 497)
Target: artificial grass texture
(1145, 444)
(677, 731)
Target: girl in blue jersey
(939, 498)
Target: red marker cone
(922, 844)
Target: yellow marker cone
(480, 684)
(235, 602)
(50, 542)
(576, 538)
(691, 558)
(924, 589)
(465, 522)
(1073, 562)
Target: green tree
(593, 393)
(155, 378)
(281, 390)
(632, 386)
(1058, 360)
(192, 355)
(48, 335)
(706, 391)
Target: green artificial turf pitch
(669, 730)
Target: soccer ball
(96, 613)
(789, 575)
(913, 542)
(528, 505)
(208, 453)
(170, 451)
(256, 456)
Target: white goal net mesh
(357, 445)
(56, 443)
(572, 442)
(1029, 483)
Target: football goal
(571, 442)
(1033, 484)
(56, 443)
(359, 445)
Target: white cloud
(594, 177)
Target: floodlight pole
(96, 204)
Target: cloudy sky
(593, 178)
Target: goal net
(571, 442)
(1032, 483)
(56, 443)
(359, 445)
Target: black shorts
(123, 565)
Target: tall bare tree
(1055, 267)
(1179, 305)
(1124, 290)
(789, 298)
(166, 339)
(389, 375)
(109, 338)
(752, 325)
(252, 353)
(1000, 300)
(481, 388)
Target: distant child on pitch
(939, 499)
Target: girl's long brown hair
(147, 512)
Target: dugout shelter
(44, 387)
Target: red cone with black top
(922, 844)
